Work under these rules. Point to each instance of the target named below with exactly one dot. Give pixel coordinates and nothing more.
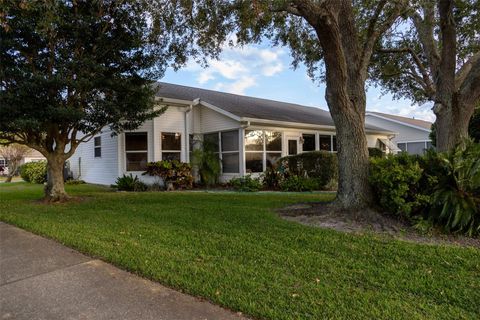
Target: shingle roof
(414, 122)
(250, 107)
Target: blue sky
(266, 72)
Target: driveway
(41, 279)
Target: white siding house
(250, 133)
(412, 135)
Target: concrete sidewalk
(41, 279)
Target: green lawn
(233, 250)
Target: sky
(265, 72)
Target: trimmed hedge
(34, 172)
(319, 165)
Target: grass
(232, 249)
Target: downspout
(186, 139)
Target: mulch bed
(326, 215)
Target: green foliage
(34, 172)
(272, 178)
(246, 184)
(395, 181)
(456, 202)
(474, 125)
(130, 183)
(298, 183)
(320, 165)
(443, 189)
(174, 171)
(206, 160)
(375, 152)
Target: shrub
(456, 202)
(34, 172)
(272, 178)
(320, 165)
(172, 171)
(395, 181)
(297, 183)
(246, 184)
(130, 183)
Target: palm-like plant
(456, 202)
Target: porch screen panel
(230, 152)
(308, 142)
(325, 142)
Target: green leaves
(456, 203)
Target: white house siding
(101, 170)
(404, 133)
(212, 121)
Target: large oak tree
(436, 57)
(335, 39)
(70, 68)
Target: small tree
(13, 154)
(70, 68)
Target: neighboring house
(412, 135)
(250, 134)
(32, 155)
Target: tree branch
(464, 71)
(426, 81)
(375, 29)
(425, 31)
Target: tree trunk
(353, 161)
(9, 177)
(55, 188)
(452, 124)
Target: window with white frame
(136, 151)
(262, 149)
(97, 147)
(415, 147)
(3, 163)
(171, 145)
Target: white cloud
(402, 108)
(239, 68)
(238, 87)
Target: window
(3, 163)
(97, 147)
(325, 142)
(308, 142)
(415, 147)
(262, 149)
(230, 152)
(171, 145)
(334, 143)
(136, 149)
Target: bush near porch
(434, 189)
(233, 250)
